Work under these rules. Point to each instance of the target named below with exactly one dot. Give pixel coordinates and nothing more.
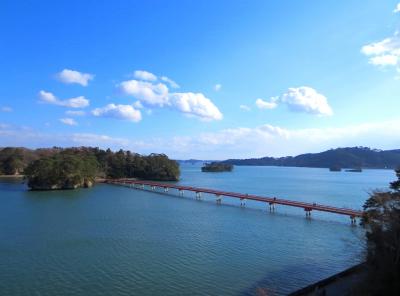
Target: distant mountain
(193, 161)
(350, 157)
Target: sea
(114, 240)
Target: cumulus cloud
(68, 121)
(245, 107)
(124, 112)
(6, 109)
(171, 83)
(49, 98)
(262, 104)
(158, 95)
(299, 99)
(385, 52)
(149, 93)
(217, 87)
(306, 99)
(75, 113)
(138, 105)
(195, 104)
(397, 9)
(72, 76)
(144, 75)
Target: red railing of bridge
(271, 200)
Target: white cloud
(6, 109)
(239, 142)
(71, 76)
(262, 104)
(195, 104)
(385, 52)
(306, 99)
(49, 98)
(68, 121)
(144, 75)
(245, 107)
(397, 9)
(138, 105)
(75, 113)
(171, 83)
(149, 93)
(217, 87)
(88, 139)
(384, 60)
(268, 140)
(125, 112)
(299, 99)
(157, 94)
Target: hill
(60, 168)
(349, 157)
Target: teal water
(111, 240)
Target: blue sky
(255, 78)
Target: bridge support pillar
(272, 207)
(181, 192)
(166, 189)
(198, 195)
(242, 202)
(218, 199)
(308, 212)
(353, 220)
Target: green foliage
(75, 167)
(64, 170)
(217, 167)
(382, 220)
(349, 157)
(14, 160)
(396, 184)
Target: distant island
(350, 157)
(217, 167)
(70, 168)
(193, 161)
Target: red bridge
(272, 201)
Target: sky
(201, 79)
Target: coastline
(12, 176)
(342, 283)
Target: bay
(112, 240)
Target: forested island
(350, 157)
(68, 168)
(217, 167)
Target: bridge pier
(198, 195)
(272, 207)
(353, 220)
(166, 189)
(218, 198)
(181, 192)
(242, 202)
(308, 212)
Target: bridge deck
(271, 200)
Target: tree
(395, 185)
(64, 170)
(382, 221)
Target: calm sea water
(111, 240)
